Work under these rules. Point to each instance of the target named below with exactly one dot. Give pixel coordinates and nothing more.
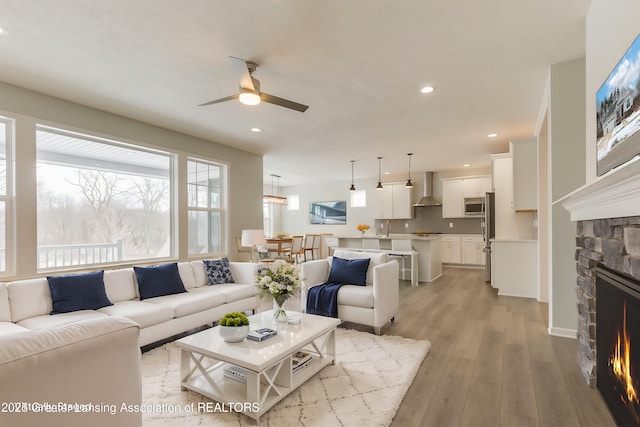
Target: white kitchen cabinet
(455, 190)
(476, 187)
(451, 249)
(515, 267)
(452, 198)
(472, 250)
(464, 249)
(402, 203)
(392, 202)
(525, 174)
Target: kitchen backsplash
(429, 220)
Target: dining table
(279, 242)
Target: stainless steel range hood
(427, 198)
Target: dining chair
(331, 243)
(309, 242)
(317, 240)
(296, 250)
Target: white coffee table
(269, 376)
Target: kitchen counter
(429, 257)
(393, 236)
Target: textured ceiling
(358, 64)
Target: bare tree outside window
(96, 211)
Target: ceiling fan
(250, 89)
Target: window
(100, 201)
(293, 203)
(6, 142)
(358, 199)
(206, 207)
(267, 218)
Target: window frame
(222, 209)
(9, 197)
(120, 143)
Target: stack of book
(299, 360)
(236, 373)
(262, 334)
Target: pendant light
(353, 187)
(272, 198)
(379, 186)
(409, 184)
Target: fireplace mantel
(616, 194)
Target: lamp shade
(253, 238)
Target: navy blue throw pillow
(73, 292)
(349, 271)
(158, 280)
(218, 271)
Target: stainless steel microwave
(473, 206)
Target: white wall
(297, 222)
(245, 169)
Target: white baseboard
(564, 333)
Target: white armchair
(374, 304)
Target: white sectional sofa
(27, 304)
(374, 304)
(94, 363)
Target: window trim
(9, 198)
(223, 210)
(122, 144)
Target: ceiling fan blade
(283, 102)
(228, 98)
(243, 72)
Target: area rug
(365, 387)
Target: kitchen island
(428, 248)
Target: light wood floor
(491, 362)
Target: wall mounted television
(618, 112)
(328, 212)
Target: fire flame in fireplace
(620, 361)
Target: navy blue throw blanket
(323, 299)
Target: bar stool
(402, 246)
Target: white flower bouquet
(279, 280)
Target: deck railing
(70, 255)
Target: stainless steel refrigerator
(488, 224)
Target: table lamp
(253, 238)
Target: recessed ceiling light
(466, 165)
(256, 130)
(492, 135)
(3, 31)
(427, 89)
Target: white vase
(233, 333)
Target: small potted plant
(234, 327)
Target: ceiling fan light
(249, 98)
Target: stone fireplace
(615, 244)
